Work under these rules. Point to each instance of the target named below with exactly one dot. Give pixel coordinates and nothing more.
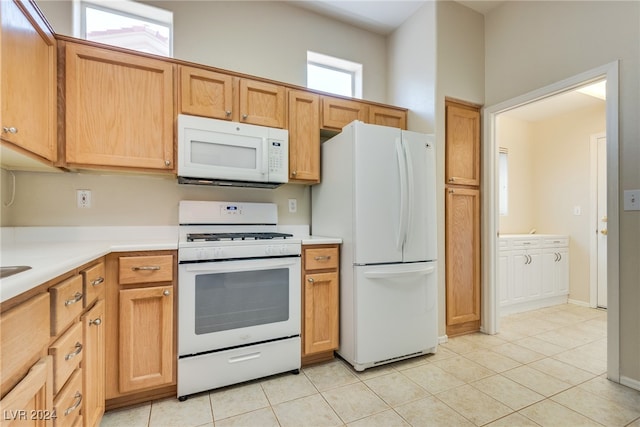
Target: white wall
(517, 137)
(531, 44)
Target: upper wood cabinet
(205, 93)
(386, 116)
(304, 136)
(262, 103)
(28, 74)
(337, 113)
(462, 146)
(119, 109)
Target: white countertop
(53, 251)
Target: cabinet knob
(228, 113)
(244, 116)
(167, 162)
(452, 180)
(294, 173)
(11, 129)
(166, 292)
(310, 280)
(604, 231)
(96, 322)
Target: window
(334, 75)
(127, 24)
(503, 181)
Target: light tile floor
(547, 367)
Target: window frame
(127, 9)
(340, 65)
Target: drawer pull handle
(146, 268)
(96, 322)
(11, 129)
(77, 297)
(323, 258)
(77, 403)
(97, 281)
(75, 353)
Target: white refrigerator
(378, 194)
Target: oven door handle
(224, 267)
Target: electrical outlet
(83, 198)
(293, 205)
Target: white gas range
(238, 295)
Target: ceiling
(379, 16)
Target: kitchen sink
(12, 269)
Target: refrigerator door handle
(385, 274)
(402, 168)
(410, 189)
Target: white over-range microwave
(219, 152)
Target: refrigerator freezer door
(377, 194)
(395, 312)
(421, 240)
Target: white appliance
(219, 152)
(378, 194)
(238, 295)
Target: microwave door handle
(264, 167)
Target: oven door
(226, 304)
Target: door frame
(593, 220)
(490, 318)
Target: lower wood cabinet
(146, 337)
(462, 234)
(93, 363)
(141, 347)
(320, 302)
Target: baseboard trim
(630, 382)
(443, 339)
(580, 303)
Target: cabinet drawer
(68, 403)
(93, 281)
(66, 303)
(555, 242)
(24, 334)
(67, 354)
(321, 258)
(146, 269)
(525, 243)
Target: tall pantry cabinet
(462, 217)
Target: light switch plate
(632, 200)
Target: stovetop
(216, 237)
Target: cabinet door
(463, 259)
(504, 276)
(33, 394)
(562, 272)
(462, 146)
(321, 292)
(146, 337)
(534, 275)
(119, 109)
(304, 136)
(518, 286)
(337, 113)
(206, 93)
(28, 74)
(262, 103)
(93, 364)
(549, 272)
(387, 117)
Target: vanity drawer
(93, 279)
(321, 258)
(67, 354)
(66, 303)
(145, 269)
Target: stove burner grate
(214, 237)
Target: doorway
(491, 322)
